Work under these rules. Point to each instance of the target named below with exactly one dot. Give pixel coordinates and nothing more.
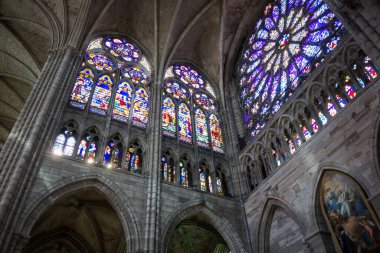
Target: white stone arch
(105, 187)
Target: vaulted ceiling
(207, 33)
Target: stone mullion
(154, 184)
(53, 116)
(359, 28)
(32, 107)
(29, 155)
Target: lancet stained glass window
(290, 40)
(190, 97)
(114, 69)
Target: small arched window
(205, 179)
(168, 167)
(115, 78)
(113, 153)
(221, 184)
(88, 145)
(190, 102)
(134, 157)
(64, 143)
(186, 178)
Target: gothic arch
(220, 223)
(77, 183)
(374, 142)
(271, 203)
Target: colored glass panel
(140, 108)
(189, 76)
(120, 47)
(112, 154)
(205, 101)
(184, 123)
(102, 95)
(289, 42)
(82, 88)
(132, 160)
(135, 74)
(219, 187)
(216, 134)
(341, 101)
(168, 117)
(176, 90)
(184, 175)
(202, 180)
(323, 118)
(210, 189)
(123, 99)
(82, 149)
(201, 129)
(314, 125)
(101, 61)
(306, 133)
(331, 109)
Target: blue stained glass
(281, 58)
(123, 98)
(82, 88)
(184, 123)
(102, 95)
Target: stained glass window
(219, 187)
(331, 108)
(102, 95)
(189, 89)
(184, 123)
(140, 108)
(82, 88)
(184, 174)
(289, 41)
(64, 143)
(167, 169)
(201, 129)
(209, 181)
(202, 179)
(123, 99)
(108, 59)
(216, 134)
(133, 160)
(322, 117)
(168, 117)
(364, 70)
(314, 125)
(112, 153)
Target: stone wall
(348, 144)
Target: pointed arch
(217, 220)
(104, 186)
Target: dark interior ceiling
(206, 33)
(82, 222)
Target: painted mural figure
(349, 216)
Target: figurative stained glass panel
(112, 155)
(174, 88)
(290, 40)
(82, 88)
(119, 47)
(168, 117)
(331, 109)
(219, 187)
(132, 160)
(102, 95)
(135, 74)
(201, 129)
(322, 118)
(314, 125)
(82, 149)
(205, 101)
(123, 98)
(92, 149)
(202, 180)
(140, 108)
(350, 218)
(184, 123)
(184, 175)
(210, 189)
(216, 134)
(101, 62)
(189, 76)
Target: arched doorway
(78, 223)
(195, 234)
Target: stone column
(151, 243)
(33, 130)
